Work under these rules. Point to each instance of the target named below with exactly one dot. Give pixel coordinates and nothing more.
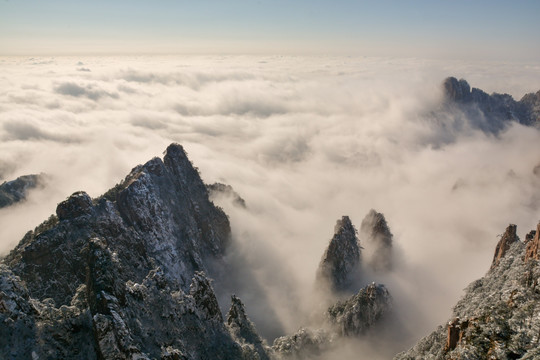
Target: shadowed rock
(243, 330)
(340, 262)
(490, 113)
(76, 205)
(217, 190)
(120, 277)
(377, 239)
(204, 296)
(16, 190)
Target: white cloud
(303, 141)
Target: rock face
(341, 260)
(377, 239)
(533, 245)
(16, 190)
(498, 316)
(122, 276)
(491, 113)
(358, 313)
(508, 238)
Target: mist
(304, 141)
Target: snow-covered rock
(123, 276)
(498, 317)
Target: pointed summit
(376, 236)
(341, 259)
(243, 331)
(508, 238)
(204, 296)
(456, 90)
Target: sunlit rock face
(498, 315)
(341, 260)
(122, 276)
(507, 239)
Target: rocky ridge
(123, 276)
(16, 190)
(490, 113)
(497, 318)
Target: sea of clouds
(304, 140)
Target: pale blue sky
(491, 30)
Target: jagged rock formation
(159, 215)
(508, 238)
(377, 239)
(16, 190)
(341, 260)
(496, 319)
(244, 331)
(304, 344)
(121, 276)
(349, 316)
(216, 190)
(533, 245)
(358, 313)
(353, 316)
(491, 113)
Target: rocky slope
(498, 318)
(123, 276)
(16, 190)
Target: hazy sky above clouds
(494, 30)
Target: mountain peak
(508, 238)
(377, 237)
(341, 260)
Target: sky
(501, 30)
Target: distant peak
(456, 90)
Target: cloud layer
(303, 141)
